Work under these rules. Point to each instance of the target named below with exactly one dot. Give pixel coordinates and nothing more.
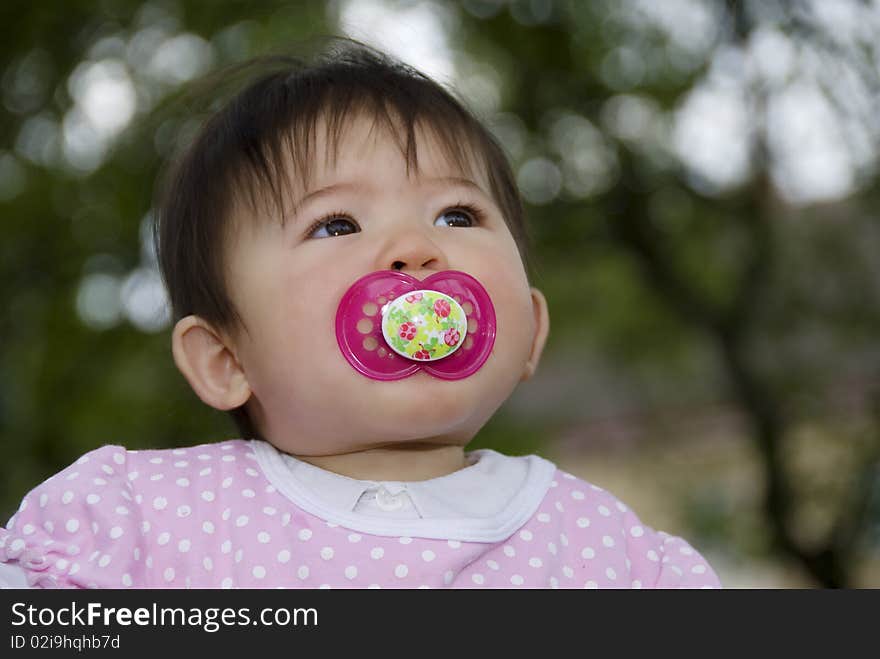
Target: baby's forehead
(351, 150)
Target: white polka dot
(104, 561)
(107, 469)
(203, 456)
(251, 472)
(145, 526)
(248, 494)
(269, 510)
(554, 582)
(551, 547)
(208, 563)
(583, 522)
(377, 552)
(428, 556)
(351, 572)
(543, 517)
(405, 540)
(163, 538)
(401, 571)
(607, 540)
(156, 461)
(652, 556)
(226, 583)
(184, 511)
(303, 572)
(126, 580)
(169, 574)
(535, 562)
(94, 528)
(354, 537)
(157, 477)
(49, 526)
(636, 584)
(72, 525)
(610, 573)
(448, 576)
(525, 534)
(636, 531)
(517, 580)
(621, 507)
(62, 563)
(455, 544)
(567, 476)
(478, 579)
(588, 553)
(239, 554)
(676, 569)
(567, 571)
(558, 505)
(116, 532)
(577, 494)
(28, 529)
(285, 519)
(604, 511)
(241, 520)
(149, 561)
(228, 458)
(698, 569)
(259, 571)
(208, 527)
(687, 551)
(563, 539)
(132, 475)
(493, 565)
(205, 471)
(226, 482)
(184, 546)
(181, 463)
(509, 551)
(283, 556)
(183, 482)
(99, 481)
(591, 584)
(67, 497)
(44, 499)
(159, 503)
(327, 553)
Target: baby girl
(344, 250)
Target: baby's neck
(409, 462)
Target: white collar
(483, 502)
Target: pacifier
(390, 325)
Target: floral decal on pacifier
(390, 325)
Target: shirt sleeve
(661, 560)
(78, 529)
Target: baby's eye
(456, 217)
(333, 225)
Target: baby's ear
(207, 361)
(542, 328)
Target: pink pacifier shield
(364, 305)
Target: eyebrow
(356, 185)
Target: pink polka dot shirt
(239, 514)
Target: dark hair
(242, 151)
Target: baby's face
(287, 281)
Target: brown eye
(336, 226)
(455, 218)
